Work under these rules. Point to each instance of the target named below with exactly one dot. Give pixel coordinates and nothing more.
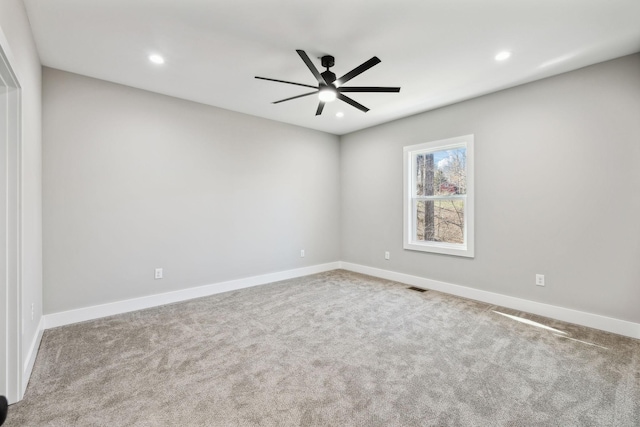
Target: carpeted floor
(333, 349)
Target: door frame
(11, 228)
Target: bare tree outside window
(440, 181)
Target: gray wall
(557, 191)
(135, 180)
(26, 64)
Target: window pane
(440, 221)
(441, 173)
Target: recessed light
(156, 59)
(503, 55)
(339, 114)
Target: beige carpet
(333, 349)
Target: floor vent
(413, 288)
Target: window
(438, 196)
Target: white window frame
(465, 249)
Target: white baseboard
(596, 321)
(103, 310)
(621, 327)
(30, 360)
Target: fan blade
(295, 97)
(368, 89)
(311, 67)
(284, 81)
(352, 102)
(320, 108)
(356, 71)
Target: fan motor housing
(328, 76)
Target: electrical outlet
(387, 255)
(158, 273)
(301, 253)
(539, 279)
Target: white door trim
(10, 230)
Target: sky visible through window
(445, 157)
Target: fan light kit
(329, 88)
(327, 94)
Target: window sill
(441, 248)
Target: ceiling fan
(329, 88)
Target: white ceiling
(438, 51)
